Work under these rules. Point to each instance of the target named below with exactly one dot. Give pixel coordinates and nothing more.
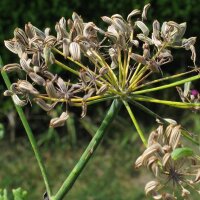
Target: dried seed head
(21, 36)
(138, 58)
(11, 45)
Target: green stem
(167, 85)
(150, 112)
(135, 123)
(29, 134)
(175, 104)
(164, 79)
(66, 67)
(70, 180)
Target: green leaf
(19, 194)
(181, 152)
(3, 194)
(2, 131)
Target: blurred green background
(110, 175)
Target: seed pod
(151, 186)
(15, 89)
(8, 93)
(75, 51)
(106, 19)
(10, 44)
(11, 67)
(103, 71)
(37, 79)
(66, 43)
(84, 109)
(59, 121)
(175, 136)
(25, 86)
(29, 30)
(25, 64)
(50, 40)
(48, 75)
(21, 36)
(102, 90)
(51, 90)
(154, 66)
(142, 27)
(138, 58)
(144, 12)
(18, 101)
(138, 162)
(133, 13)
(61, 84)
(44, 105)
(144, 38)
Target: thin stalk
(164, 79)
(66, 67)
(141, 134)
(167, 85)
(29, 134)
(70, 180)
(150, 112)
(165, 102)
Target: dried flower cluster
(112, 56)
(181, 174)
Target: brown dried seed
(59, 121)
(18, 101)
(29, 30)
(66, 43)
(37, 79)
(138, 58)
(25, 64)
(44, 105)
(151, 186)
(11, 67)
(25, 86)
(75, 51)
(102, 90)
(61, 84)
(175, 136)
(144, 12)
(50, 40)
(133, 13)
(51, 90)
(144, 38)
(103, 71)
(8, 93)
(84, 109)
(20, 35)
(106, 19)
(138, 162)
(165, 159)
(142, 27)
(153, 138)
(10, 44)
(156, 147)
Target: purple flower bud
(194, 92)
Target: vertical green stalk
(70, 180)
(135, 123)
(29, 133)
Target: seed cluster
(115, 65)
(181, 174)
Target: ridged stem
(29, 134)
(70, 180)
